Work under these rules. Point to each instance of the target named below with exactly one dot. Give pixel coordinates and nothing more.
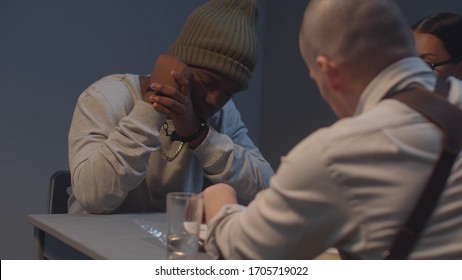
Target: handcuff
(176, 137)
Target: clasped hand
(170, 94)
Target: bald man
(353, 184)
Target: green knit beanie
(221, 36)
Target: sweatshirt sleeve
(228, 155)
(110, 140)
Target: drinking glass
(184, 217)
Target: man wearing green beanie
(135, 138)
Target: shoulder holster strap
(448, 118)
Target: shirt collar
(395, 77)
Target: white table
(114, 236)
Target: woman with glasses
(438, 40)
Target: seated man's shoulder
(111, 87)
(112, 81)
(113, 93)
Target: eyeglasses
(436, 64)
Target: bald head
(363, 35)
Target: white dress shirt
(351, 185)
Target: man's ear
(330, 70)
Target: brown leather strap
(448, 118)
(438, 110)
(442, 88)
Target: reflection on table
(114, 236)
(120, 236)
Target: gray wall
(50, 51)
(291, 105)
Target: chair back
(60, 184)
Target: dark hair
(447, 27)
